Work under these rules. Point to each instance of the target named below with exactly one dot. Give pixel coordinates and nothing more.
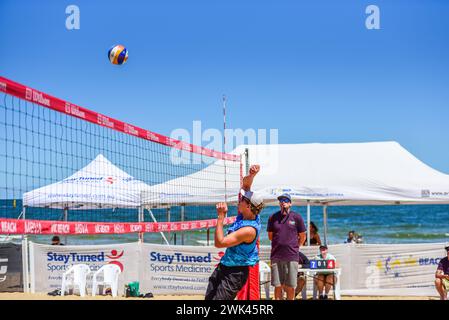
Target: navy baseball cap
(323, 246)
(285, 196)
(447, 247)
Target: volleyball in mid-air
(118, 54)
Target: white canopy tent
(346, 174)
(99, 185)
(371, 173)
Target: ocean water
(377, 224)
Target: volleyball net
(65, 169)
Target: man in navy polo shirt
(287, 232)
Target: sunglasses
(284, 200)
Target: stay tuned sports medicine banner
(367, 269)
(48, 263)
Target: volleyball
(118, 54)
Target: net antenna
(224, 148)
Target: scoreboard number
(322, 264)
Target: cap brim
(246, 194)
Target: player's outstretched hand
(254, 169)
(222, 210)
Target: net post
(246, 160)
(26, 278)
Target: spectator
(55, 241)
(286, 231)
(442, 276)
(325, 280)
(351, 237)
(315, 239)
(303, 262)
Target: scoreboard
(322, 264)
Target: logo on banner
(28, 94)
(391, 265)
(114, 257)
(180, 262)
(109, 180)
(105, 121)
(218, 257)
(8, 227)
(36, 97)
(130, 129)
(425, 193)
(61, 261)
(151, 136)
(74, 110)
(3, 268)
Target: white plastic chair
(264, 277)
(110, 277)
(80, 272)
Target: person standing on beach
(351, 237)
(232, 272)
(315, 239)
(442, 276)
(286, 231)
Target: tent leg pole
(168, 220)
(325, 223)
(308, 223)
(182, 220)
(65, 219)
(141, 219)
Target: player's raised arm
(248, 180)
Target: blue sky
(309, 68)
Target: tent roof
(204, 187)
(346, 174)
(334, 173)
(100, 184)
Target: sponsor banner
(20, 91)
(177, 269)
(14, 226)
(11, 270)
(382, 269)
(405, 269)
(50, 262)
(397, 268)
